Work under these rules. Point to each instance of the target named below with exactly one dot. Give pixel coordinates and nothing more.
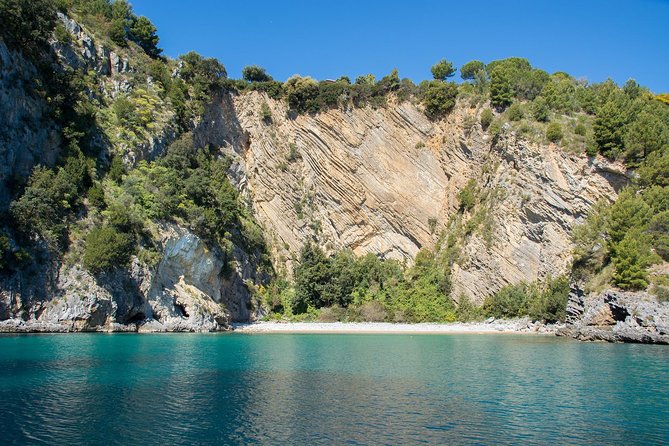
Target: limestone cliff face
(386, 181)
(28, 136)
(187, 290)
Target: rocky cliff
(616, 316)
(386, 181)
(186, 290)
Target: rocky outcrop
(385, 180)
(616, 316)
(28, 135)
(190, 289)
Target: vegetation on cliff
(104, 198)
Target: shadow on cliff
(220, 126)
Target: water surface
(99, 389)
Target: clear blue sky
(593, 39)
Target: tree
(655, 169)
(302, 94)
(632, 256)
(439, 97)
(658, 228)
(470, 70)
(609, 127)
(443, 70)
(629, 211)
(143, 33)
(106, 248)
(501, 95)
(312, 275)
(27, 24)
(540, 109)
(254, 73)
(647, 133)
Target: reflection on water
(325, 389)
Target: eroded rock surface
(617, 316)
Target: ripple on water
(325, 389)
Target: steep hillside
(386, 181)
(143, 193)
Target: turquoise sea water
(99, 389)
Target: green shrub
(550, 305)
(467, 311)
(106, 248)
(439, 97)
(265, 112)
(486, 118)
(554, 132)
(254, 73)
(468, 196)
(509, 302)
(540, 110)
(580, 129)
(515, 112)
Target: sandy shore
(518, 326)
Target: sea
(312, 389)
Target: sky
(590, 39)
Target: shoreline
(494, 327)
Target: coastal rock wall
(617, 316)
(188, 290)
(386, 181)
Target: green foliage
(468, 196)
(550, 305)
(265, 112)
(443, 70)
(560, 95)
(554, 132)
(27, 25)
(106, 248)
(254, 73)
(632, 256)
(439, 97)
(144, 34)
(629, 211)
(515, 77)
(580, 129)
(655, 169)
(511, 301)
(312, 276)
(467, 311)
(44, 206)
(501, 94)
(649, 132)
(546, 302)
(515, 112)
(302, 94)
(540, 109)
(470, 70)
(486, 118)
(658, 229)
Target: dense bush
(554, 132)
(106, 248)
(254, 73)
(439, 97)
(468, 196)
(545, 302)
(486, 118)
(27, 25)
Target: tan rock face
(386, 181)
